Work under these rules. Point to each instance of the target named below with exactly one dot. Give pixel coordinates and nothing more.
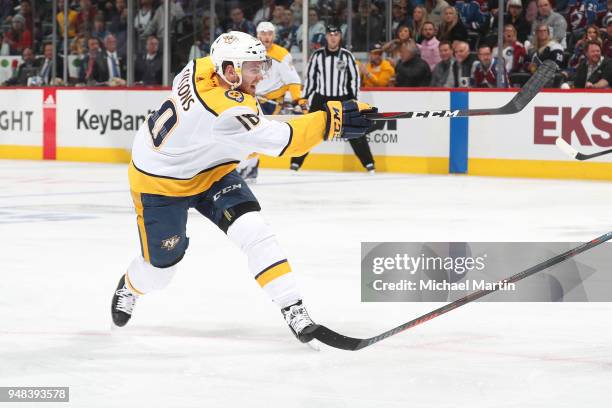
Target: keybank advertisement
(104, 118)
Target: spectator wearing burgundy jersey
(513, 51)
(484, 72)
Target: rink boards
(98, 125)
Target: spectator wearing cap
(554, 20)
(484, 71)
(516, 17)
(440, 75)
(412, 71)
(18, 37)
(596, 70)
(332, 75)
(240, 23)
(378, 71)
(513, 51)
(429, 45)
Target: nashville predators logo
(228, 39)
(170, 243)
(234, 95)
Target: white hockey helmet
(266, 26)
(237, 47)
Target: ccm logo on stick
(572, 121)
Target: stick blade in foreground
(566, 148)
(545, 73)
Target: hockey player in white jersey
(271, 90)
(185, 156)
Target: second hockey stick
(333, 339)
(575, 154)
(541, 77)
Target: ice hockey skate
(123, 304)
(300, 322)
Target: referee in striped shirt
(332, 75)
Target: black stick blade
(544, 74)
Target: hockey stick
(333, 339)
(575, 154)
(541, 77)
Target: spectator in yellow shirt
(378, 71)
(72, 19)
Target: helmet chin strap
(233, 85)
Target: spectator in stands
(114, 64)
(94, 69)
(27, 69)
(591, 34)
(544, 48)
(286, 34)
(148, 69)
(429, 45)
(239, 23)
(515, 17)
(472, 13)
(118, 18)
(596, 70)
(367, 26)
(435, 10)
(25, 10)
(484, 72)
(582, 13)
(461, 69)
(296, 8)
(278, 13)
(451, 29)
(203, 29)
(143, 16)
(18, 37)
(264, 13)
(392, 48)
(378, 71)
(419, 17)
(440, 76)
(156, 25)
(5, 48)
(6, 10)
(78, 46)
(607, 47)
(513, 51)
(85, 17)
(399, 16)
(46, 65)
(316, 28)
(72, 20)
(411, 71)
(99, 27)
(554, 20)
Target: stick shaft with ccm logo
(337, 340)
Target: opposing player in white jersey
(185, 156)
(271, 90)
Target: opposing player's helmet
(237, 47)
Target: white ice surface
(212, 338)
